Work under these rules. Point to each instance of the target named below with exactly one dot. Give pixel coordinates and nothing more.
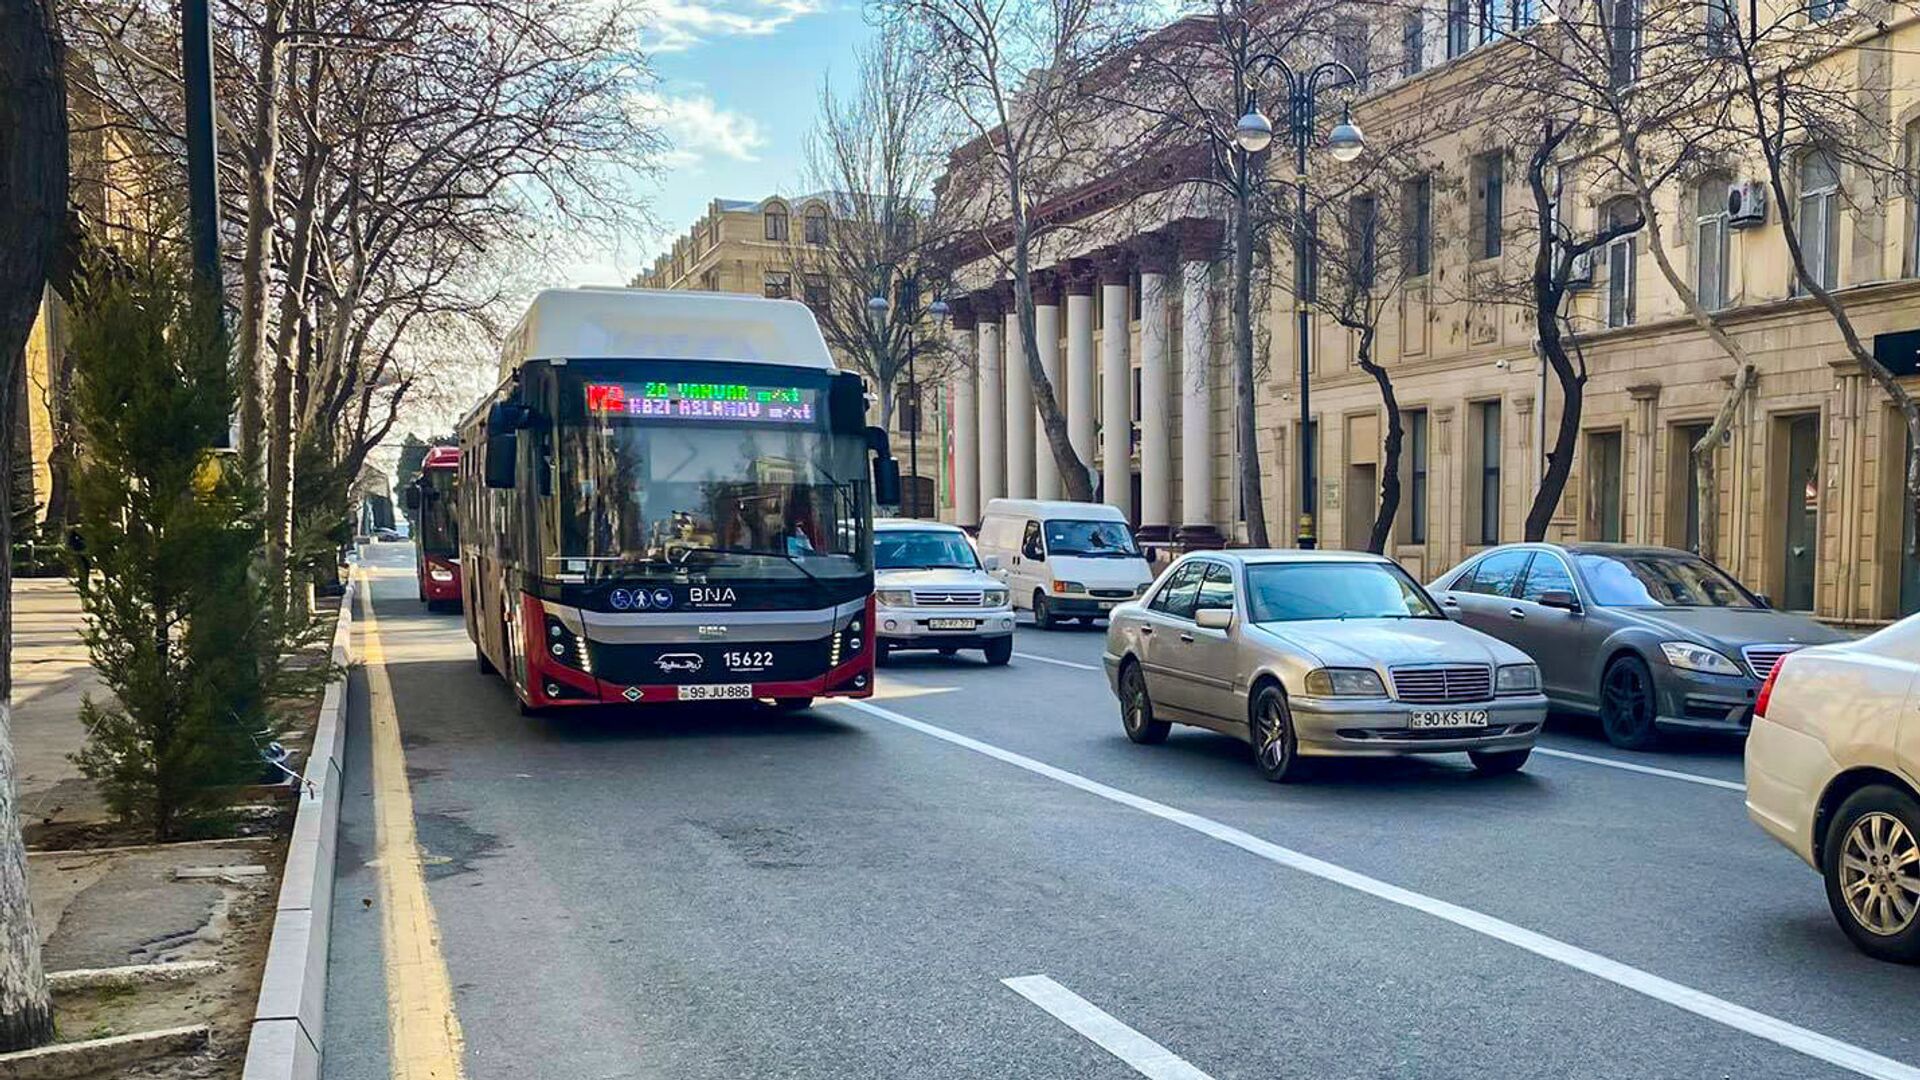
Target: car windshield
(1296, 592)
(922, 549)
(1097, 539)
(644, 498)
(1657, 579)
(438, 530)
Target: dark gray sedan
(1647, 638)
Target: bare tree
(873, 158)
(1012, 68)
(33, 196)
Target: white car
(1833, 772)
(932, 593)
(1063, 560)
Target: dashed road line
(1650, 770)
(1063, 663)
(1142, 1055)
(1698, 1002)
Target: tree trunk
(1075, 476)
(1396, 436)
(262, 216)
(33, 199)
(1252, 502)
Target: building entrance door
(1802, 534)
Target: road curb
(288, 1017)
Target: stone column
(1156, 397)
(1046, 331)
(1019, 389)
(1646, 413)
(1082, 422)
(991, 398)
(1197, 527)
(1116, 391)
(966, 419)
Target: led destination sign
(704, 401)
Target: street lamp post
(1253, 134)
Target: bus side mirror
(886, 481)
(502, 449)
(411, 498)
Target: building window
(1821, 10)
(1417, 213)
(1818, 218)
(1621, 265)
(1623, 41)
(1487, 427)
(1416, 477)
(816, 224)
(1350, 48)
(1913, 199)
(1683, 526)
(1458, 27)
(814, 292)
(1491, 20)
(1604, 520)
(1719, 26)
(1710, 243)
(1362, 218)
(776, 285)
(776, 222)
(1523, 14)
(1490, 190)
(1413, 44)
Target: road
(848, 892)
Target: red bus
(431, 503)
(670, 498)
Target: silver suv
(932, 593)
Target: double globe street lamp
(1253, 134)
(878, 309)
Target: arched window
(776, 222)
(1620, 262)
(816, 224)
(1710, 242)
(1818, 217)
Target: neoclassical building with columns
(1811, 506)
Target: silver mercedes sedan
(1317, 653)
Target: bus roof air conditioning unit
(1746, 204)
(1580, 274)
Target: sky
(738, 83)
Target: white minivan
(1063, 560)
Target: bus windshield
(645, 498)
(438, 532)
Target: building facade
(1132, 326)
(762, 248)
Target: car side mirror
(1765, 600)
(992, 564)
(1560, 598)
(1213, 618)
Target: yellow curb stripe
(424, 1041)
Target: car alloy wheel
(1627, 704)
(1136, 708)
(1880, 874)
(1275, 750)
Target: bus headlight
(566, 648)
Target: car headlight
(1345, 682)
(894, 597)
(1690, 657)
(994, 597)
(1068, 586)
(1517, 679)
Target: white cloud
(700, 130)
(678, 25)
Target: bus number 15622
(748, 659)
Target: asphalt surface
(727, 893)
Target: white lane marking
(1143, 1055)
(1616, 763)
(1700, 1003)
(1062, 663)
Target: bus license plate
(1448, 718)
(949, 624)
(717, 692)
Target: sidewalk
(50, 676)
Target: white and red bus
(431, 503)
(670, 498)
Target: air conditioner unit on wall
(1580, 274)
(1746, 204)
